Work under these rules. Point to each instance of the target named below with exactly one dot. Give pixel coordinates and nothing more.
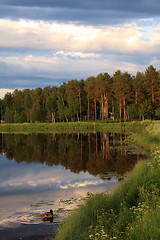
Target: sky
(48, 42)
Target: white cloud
(65, 64)
(76, 54)
(32, 49)
(62, 37)
(3, 91)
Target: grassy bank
(132, 210)
(69, 127)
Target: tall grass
(148, 137)
(131, 211)
(86, 215)
(126, 213)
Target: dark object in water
(48, 216)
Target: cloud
(137, 5)
(48, 42)
(58, 37)
(3, 91)
(86, 11)
(30, 71)
(77, 55)
(52, 50)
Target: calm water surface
(43, 171)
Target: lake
(39, 172)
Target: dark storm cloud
(94, 17)
(86, 11)
(138, 5)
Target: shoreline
(71, 127)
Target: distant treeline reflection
(97, 153)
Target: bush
(158, 113)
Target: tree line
(121, 97)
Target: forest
(120, 97)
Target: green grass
(149, 135)
(124, 214)
(132, 210)
(69, 127)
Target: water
(43, 171)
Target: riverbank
(132, 210)
(71, 127)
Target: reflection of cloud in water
(81, 184)
(35, 177)
(24, 185)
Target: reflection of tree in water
(97, 153)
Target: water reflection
(38, 171)
(26, 178)
(97, 153)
